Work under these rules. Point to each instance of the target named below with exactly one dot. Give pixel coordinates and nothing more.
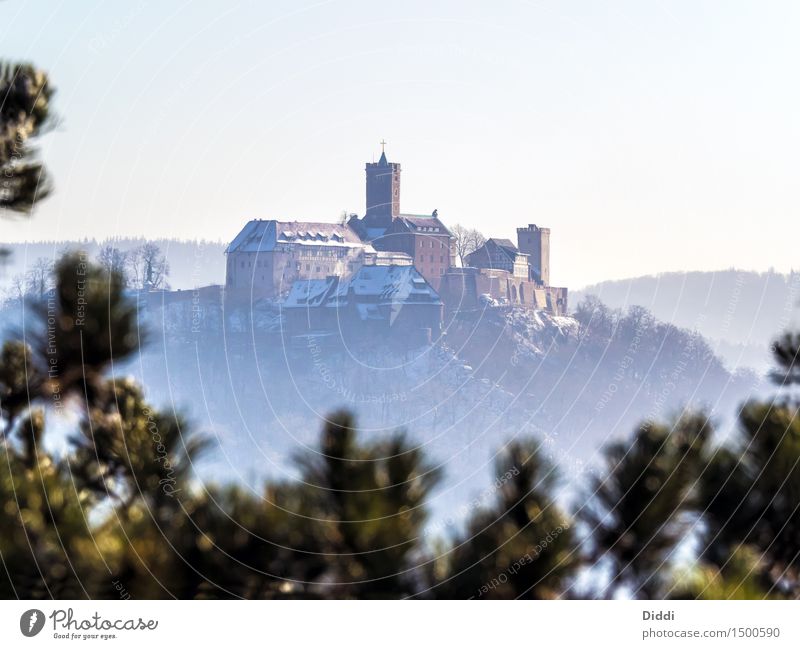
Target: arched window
(513, 293)
(522, 293)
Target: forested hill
(738, 312)
(494, 375)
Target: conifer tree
(523, 546)
(639, 510)
(25, 111)
(751, 488)
(50, 544)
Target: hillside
(574, 383)
(738, 312)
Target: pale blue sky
(650, 136)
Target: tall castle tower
(383, 192)
(535, 242)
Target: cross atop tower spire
(382, 161)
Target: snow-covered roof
(338, 295)
(309, 292)
(387, 284)
(263, 236)
(377, 285)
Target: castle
(507, 274)
(268, 258)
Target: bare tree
(148, 268)
(465, 241)
(113, 260)
(16, 289)
(475, 240)
(40, 277)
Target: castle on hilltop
(269, 257)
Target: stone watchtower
(383, 192)
(535, 242)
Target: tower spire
(383, 160)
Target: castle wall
(461, 289)
(458, 289)
(346, 321)
(270, 274)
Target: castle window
(308, 266)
